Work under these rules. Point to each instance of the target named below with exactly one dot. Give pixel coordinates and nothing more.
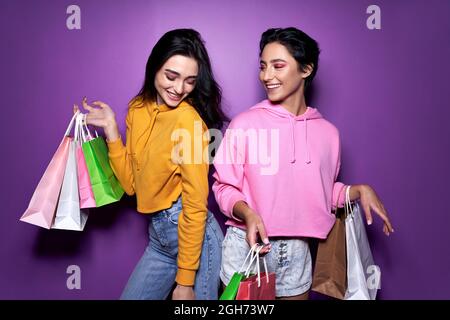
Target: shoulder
(186, 115)
(328, 127)
(248, 118)
(135, 105)
(328, 131)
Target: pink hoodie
(284, 167)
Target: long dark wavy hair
(206, 97)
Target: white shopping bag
(363, 276)
(69, 216)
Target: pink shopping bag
(87, 199)
(42, 207)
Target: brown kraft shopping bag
(330, 271)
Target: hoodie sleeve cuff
(185, 277)
(115, 146)
(338, 195)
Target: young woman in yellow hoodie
(162, 163)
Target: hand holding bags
(363, 276)
(66, 186)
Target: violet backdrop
(385, 90)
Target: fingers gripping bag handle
(86, 128)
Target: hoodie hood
(277, 110)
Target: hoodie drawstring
(152, 124)
(291, 121)
(280, 112)
(308, 159)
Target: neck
(159, 100)
(295, 103)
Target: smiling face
(176, 80)
(280, 73)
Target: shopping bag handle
(250, 253)
(87, 128)
(258, 271)
(80, 135)
(84, 131)
(69, 127)
(255, 256)
(78, 128)
(348, 205)
(84, 134)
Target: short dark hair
(206, 96)
(302, 47)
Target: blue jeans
(154, 276)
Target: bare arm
(370, 201)
(254, 223)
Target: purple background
(386, 91)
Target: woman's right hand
(255, 225)
(102, 116)
(255, 230)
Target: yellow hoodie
(144, 167)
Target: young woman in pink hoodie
(277, 166)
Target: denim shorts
(154, 275)
(289, 258)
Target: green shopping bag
(105, 186)
(232, 288)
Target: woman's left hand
(183, 293)
(370, 201)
